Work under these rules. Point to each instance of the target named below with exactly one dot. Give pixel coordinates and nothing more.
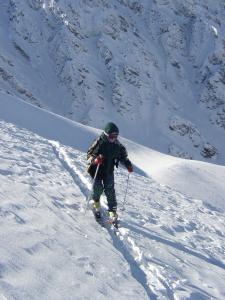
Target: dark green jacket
(111, 152)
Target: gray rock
(209, 151)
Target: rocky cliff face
(156, 67)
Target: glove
(130, 168)
(98, 160)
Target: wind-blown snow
(171, 241)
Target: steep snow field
(171, 241)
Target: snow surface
(171, 241)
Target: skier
(106, 151)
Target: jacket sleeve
(93, 151)
(123, 156)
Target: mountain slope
(156, 68)
(170, 245)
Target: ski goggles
(112, 136)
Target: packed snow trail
(169, 246)
(75, 164)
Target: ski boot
(113, 216)
(113, 219)
(97, 208)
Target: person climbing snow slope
(106, 152)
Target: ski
(98, 218)
(114, 226)
(97, 215)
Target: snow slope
(171, 241)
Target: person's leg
(96, 193)
(110, 193)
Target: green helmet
(110, 128)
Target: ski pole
(92, 187)
(126, 192)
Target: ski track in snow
(74, 165)
(126, 247)
(177, 226)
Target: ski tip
(98, 215)
(114, 224)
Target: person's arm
(93, 152)
(123, 158)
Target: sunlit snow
(170, 244)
